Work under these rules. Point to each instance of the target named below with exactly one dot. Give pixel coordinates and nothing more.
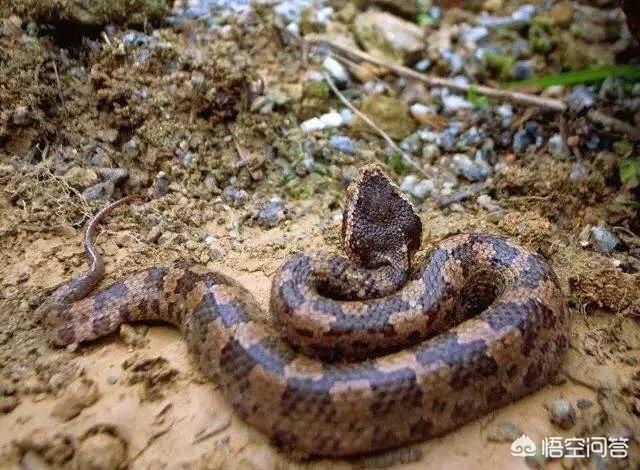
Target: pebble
(419, 111)
(108, 135)
(557, 146)
(417, 188)
(20, 116)
(154, 234)
(79, 395)
(562, 413)
(505, 111)
(604, 240)
(454, 60)
(272, 213)
(584, 403)
(343, 144)
(337, 71)
(581, 99)
(79, 177)
(326, 121)
(523, 69)
(611, 89)
(505, 431)
(453, 103)
(424, 65)
(578, 173)
(430, 152)
(101, 451)
(116, 175)
(476, 170)
(473, 34)
(234, 196)
(98, 191)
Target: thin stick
(550, 104)
(370, 123)
(55, 70)
(514, 96)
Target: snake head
(379, 224)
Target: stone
(388, 37)
(337, 71)
(102, 451)
(116, 175)
(562, 13)
(272, 213)
(454, 103)
(562, 413)
(343, 144)
(581, 99)
(604, 240)
(80, 178)
(21, 116)
(390, 114)
(557, 146)
(98, 191)
(79, 395)
(504, 432)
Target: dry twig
(367, 120)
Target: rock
(454, 103)
(521, 141)
(557, 147)
(8, 404)
(604, 241)
(326, 121)
(154, 234)
(562, 413)
(473, 34)
(337, 71)
(611, 89)
(235, 197)
(581, 99)
(109, 135)
(101, 451)
(131, 148)
(343, 144)
(388, 37)
(422, 113)
(21, 116)
(584, 403)
(390, 114)
(456, 64)
(417, 188)
(476, 170)
(422, 65)
(80, 178)
(272, 213)
(131, 336)
(430, 152)
(79, 395)
(523, 69)
(562, 13)
(505, 431)
(578, 173)
(98, 191)
(505, 111)
(116, 175)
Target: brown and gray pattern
(369, 357)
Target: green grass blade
(580, 76)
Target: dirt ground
(169, 106)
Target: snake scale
(366, 352)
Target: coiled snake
(369, 355)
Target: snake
(359, 353)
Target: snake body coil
(371, 357)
